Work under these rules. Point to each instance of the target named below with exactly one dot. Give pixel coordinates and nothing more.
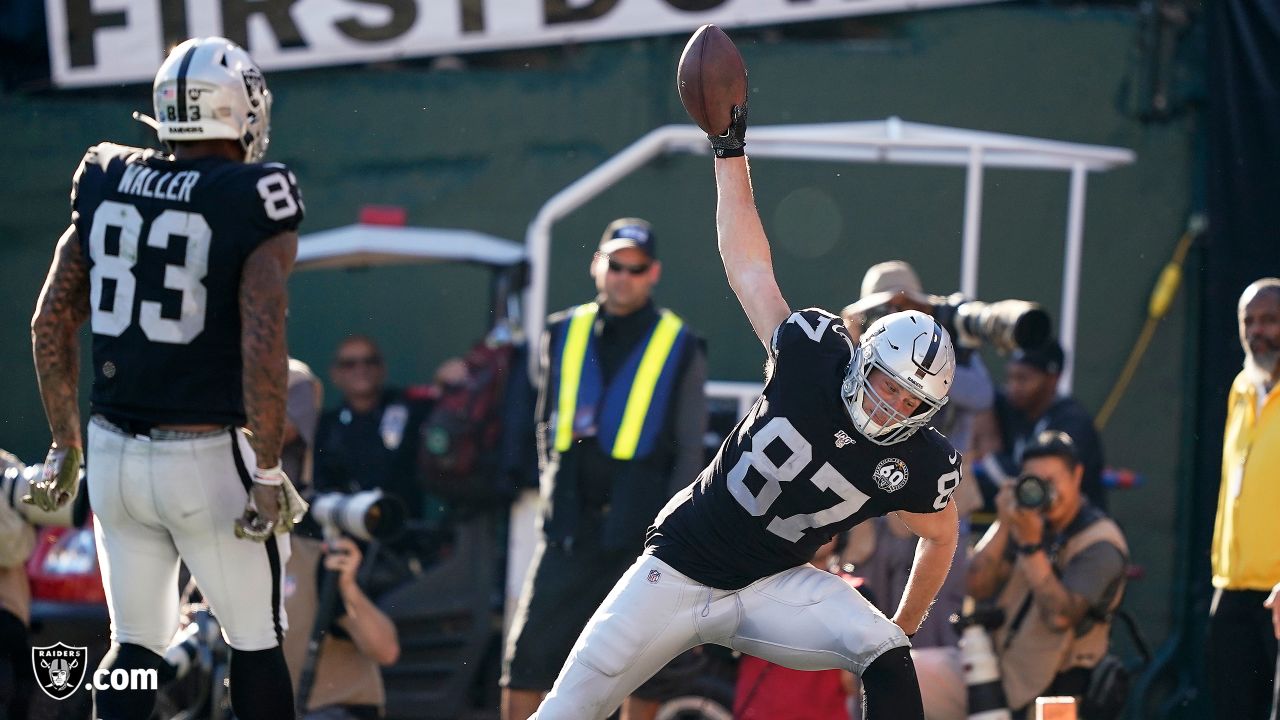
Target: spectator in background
(371, 439)
(1273, 604)
(1057, 572)
(360, 639)
(1246, 550)
(882, 550)
(17, 540)
(604, 478)
(1030, 405)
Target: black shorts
(567, 588)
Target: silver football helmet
(210, 89)
(916, 353)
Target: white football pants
(802, 618)
(156, 500)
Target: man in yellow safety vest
(621, 417)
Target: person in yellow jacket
(621, 419)
(1246, 548)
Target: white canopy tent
(882, 141)
(364, 245)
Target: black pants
(1241, 655)
(16, 680)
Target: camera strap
(1018, 618)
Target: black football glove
(59, 481)
(734, 139)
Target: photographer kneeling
(347, 680)
(1055, 565)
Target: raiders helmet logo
(891, 475)
(59, 669)
(254, 85)
(925, 353)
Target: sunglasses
(353, 362)
(642, 268)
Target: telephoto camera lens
(1033, 493)
(981, 667)
(364, 515)
(1005, 324)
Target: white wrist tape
(273, 476)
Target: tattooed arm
(62, 308)
(263, 300)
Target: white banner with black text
(104, 42)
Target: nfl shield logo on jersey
(59, 668)
(654, 577)
(891, 474)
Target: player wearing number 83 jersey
(165, 240)
(179, 263)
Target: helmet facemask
(899, 347)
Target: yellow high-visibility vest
(626, 415)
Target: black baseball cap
(1052, 443)
(1046, 358)
(629, 232)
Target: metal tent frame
(881, 141)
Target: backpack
(460, 460)
(1111, 679)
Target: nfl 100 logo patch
(891, 475)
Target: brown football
(711, 78)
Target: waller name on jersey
(167, 185)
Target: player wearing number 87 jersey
(179, 262)
(840, 435)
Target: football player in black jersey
(179, 262)
(839, 435)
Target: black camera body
(1005, 324)
(1034, 492)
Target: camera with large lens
(981, 666)
(1033, 492)
(15, 482)
(367, 515)
(1005, 324)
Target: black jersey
(165, 241)
(794, 472)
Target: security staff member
(621, 414)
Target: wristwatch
(1027, 549)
